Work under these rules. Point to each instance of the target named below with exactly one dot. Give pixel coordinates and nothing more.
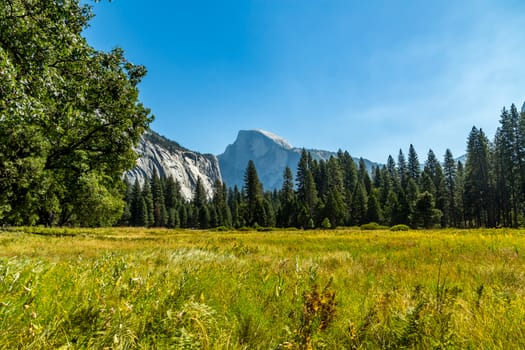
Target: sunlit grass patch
(143, 288)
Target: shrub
(326, 223)
(372, 226)
(400, 227)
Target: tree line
(70, 116)
(487, 191)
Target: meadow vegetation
(134, 288)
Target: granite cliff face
(168, 158)
(271, 155)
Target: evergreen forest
(487, 191)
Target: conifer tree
(235, 203)
(364, 177)
(402, 169)
(220, 204)
(413, 166)
(287, 211)
(160, 214)
(459, 195)
(300, 178)
(359, 208)
(335, 210)
(125, 220)
(392, 170)
(172, 195)
(349, 180)
(253, 194)
(136, 206)
(374, 212)
(204, 218)
(412, 195)
(425, 214)
(148, 218)
(310, 196)
(200, 198)
(477, 180)
(449, 172)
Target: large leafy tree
(69, 117)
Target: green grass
(341, 289)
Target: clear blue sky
(369, 77)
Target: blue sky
(369, 77)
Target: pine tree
(160, 214)
(477, 180)
(392, 170)
(253, 193)
(449, 172)
(172, 196)
(335, 210)
(183, 216)
(300, 178)
(363, 177)
(125, 220)
(200, 198)
(427, 185)
(413, 166)
(220, 205)
(173, 218)
(307, 195)
(374, 212)
(385, 187)
(349, 181)
(235, 204)
(310, 196)
(148, 218)
(287, 211)
(391, 209)
(204, 218)
(136, 206)
(359, 208)
(402, 169)
(459, 195)
(508, 166)
(412, 195)
(425, 214)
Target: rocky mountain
(271, 155)
(523, 108)
(169, 158)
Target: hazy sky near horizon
(369, 77)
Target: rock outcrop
(168, 158)
(271, 155)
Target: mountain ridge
(270, 153)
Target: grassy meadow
(124, 288)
